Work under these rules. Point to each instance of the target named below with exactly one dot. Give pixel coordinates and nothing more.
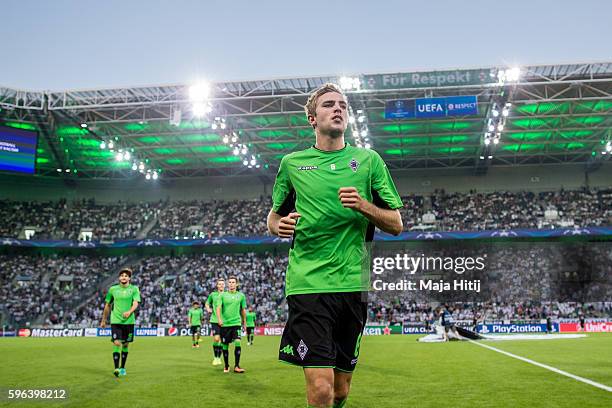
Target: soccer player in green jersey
(215, 330)
(329, 198)
(250, 325)
(125, 298)
(194, 317)
(231, 316)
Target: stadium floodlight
(59, 170)
(200, 109)
(490, 157)
(84, 125)
(199, 92)
(350, 83)
(67, 170)
(102, 145)
(481, 157)
(513, 74)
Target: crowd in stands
(520, 282)
(61, 219)
(206, 219)
(51, 287)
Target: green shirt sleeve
(383, 184)
(109, 297)
(136, 296)
(243, 302)
(282, 186)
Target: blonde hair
(311, 104)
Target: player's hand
(220, 323)
(286, 225)
(103, 324)
(350, 198)
(126, 314)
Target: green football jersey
(328, 253)
(122, 299)
(196, 316)
(250, 319)
(231, 304)
(212, 298)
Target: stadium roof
(557, 114)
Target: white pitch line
(553, 369)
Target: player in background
(124, 298)
(215, 330)
(194, 318)
(250, 325)
(231, 317)
(329, 198)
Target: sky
(62, 44)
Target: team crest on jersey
(300, 168)
(354, 164)
(332, 166)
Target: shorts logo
(354, 165)
(288, 349)
(354, 361)
(300, 168)
(302, 349)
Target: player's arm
(386, 220)
(218, 312)
(189, 318)
(207, 305)
(283, 227)
(105, 314)
(243, 317)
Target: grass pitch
(393, 371)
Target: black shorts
(215, 329)
(249, 330)
(324, 330)
(122, 332)
(230, 333)
(195, 330)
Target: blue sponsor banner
(400, 109)
(461, 106)
(515, 328)
(404, 236)
(138, 331)
(431, 107)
